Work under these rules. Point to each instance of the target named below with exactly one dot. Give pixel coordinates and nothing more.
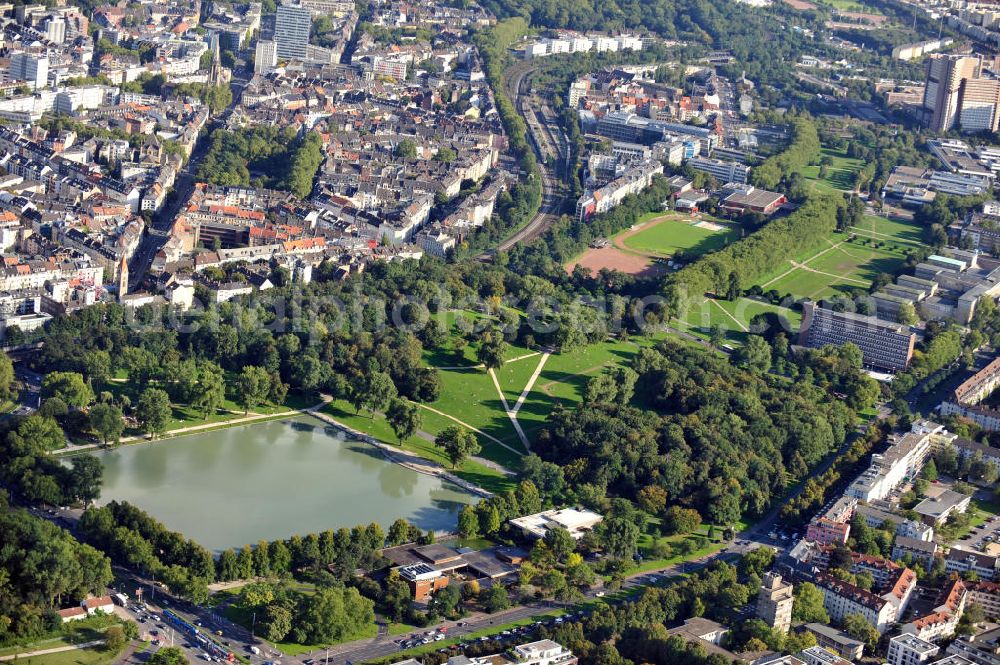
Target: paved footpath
(45, 652)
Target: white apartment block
(841, 599)
(902, 461)
(910, 650)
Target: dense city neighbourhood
(500, 332)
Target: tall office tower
(291, 31)
(29, 67)
(980, 105)
(942, 92)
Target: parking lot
(501, 640)
(982, 537)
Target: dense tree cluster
(339, 553)
(133, 538)
(332, 613)
(27, 468)
(43, 568)
(265, 151)
(942, 346)
(716, 438)
(215, 97)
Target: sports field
(638, 250)
(665, 235)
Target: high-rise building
(943, 87)
(55, 29)
(979, 107)
(29, 67)
(774, 602)
(291, 31)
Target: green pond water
(272, 480)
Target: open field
(88, 656)
(734, 318)
(613, 258)
(801, 5)
(840, 174)
(836, 269)
(891, 231)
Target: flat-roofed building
(936, 510)
(774, 602)
(908, 649)
(883, 345)
(576, 521)
(836, 640)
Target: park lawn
(891, 230)
(733, 317)
(469, 395)
(839, 175)
(443, 356)
(514, 376)
(473, 472)
(673, 233)
(849, 264)
(88, 656)
(564, 378)
(838, 271)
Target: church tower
(122, 278)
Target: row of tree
(733, 268)
(801, 152)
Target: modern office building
(979, 105)
(291, 31)
(884, 345)
(722, 170)
(774, 602)
(265, 56)
(943, 87)
(29, 67)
